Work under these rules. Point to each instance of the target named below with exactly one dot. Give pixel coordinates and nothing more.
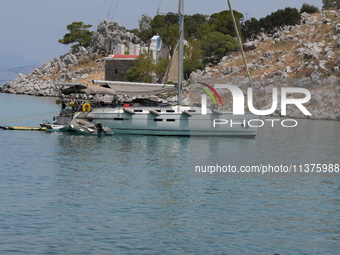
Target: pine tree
(78, 33)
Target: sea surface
(74, 194)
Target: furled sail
(171, 74)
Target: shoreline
(276, 114)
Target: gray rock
(288, 69)
(57, 63)
(337, 29)
(69, 76)
(330, 55)
(316, 97)
(81, 52)
(316, 77)
(108, 34)
(21, 76)
(262, 37)
(69, 59)
(326, 21)
(322, 65)
(310, 53)
(80, 71)
(85, 76)
(333, 82)
(269, 55)
(251, 45)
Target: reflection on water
(120, 151)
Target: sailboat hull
(174, 123)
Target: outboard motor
(99, 127)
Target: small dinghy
(86, 128)
(53, 127)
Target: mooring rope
(28, 117)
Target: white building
(157, 49)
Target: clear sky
(32, 28)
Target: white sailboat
(156, 118)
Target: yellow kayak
(24, 128)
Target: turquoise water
(72, 194)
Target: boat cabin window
(170, 110)
(170, 120)
(158, 119)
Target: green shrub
(287, 17)
(309, 8)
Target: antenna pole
(180, 49)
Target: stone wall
(115, 69)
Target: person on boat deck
(76, 105)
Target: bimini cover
(136, 88)
(89, 90)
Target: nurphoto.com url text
(269, 169)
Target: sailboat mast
(180, 49)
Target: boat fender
(129, 111)
(90, 116)
(217, 112)
(154, 112)
(86, 107)
(186, 112)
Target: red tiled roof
(124, 56)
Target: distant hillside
(10, 74)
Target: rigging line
(159, 6)
(101, 12)
(19, 117)
(242, 50)
(108, 12)
(114, 11)
(240, 41)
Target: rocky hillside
(79, 67)
(306, 55)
